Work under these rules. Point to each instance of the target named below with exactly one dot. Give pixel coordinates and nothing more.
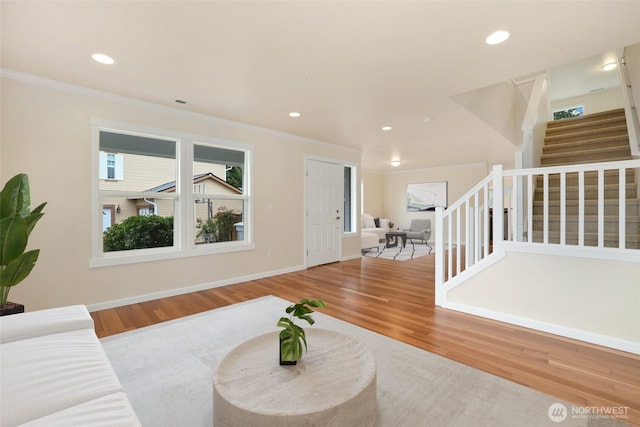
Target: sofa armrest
(44, 322)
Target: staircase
(599, 137)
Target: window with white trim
(111, 166)
(349, 199)
(179, 196)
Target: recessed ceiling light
(386, 128)
(395, 163)
(426, 119)
(103, 59)
(294, 114)
(609, 66)
(497, 37)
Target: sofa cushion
(385, 223)
(47, 374)
(44, 322)
(107, 411)
(368, 221)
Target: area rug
(398, 253)
(167, 371)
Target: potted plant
(292, 336)
(16, 223)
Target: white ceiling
(348, 67)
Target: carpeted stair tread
(600, 117)
(587, 144)
(591, 224)
(611, 206)
(590, 178)
(610, 125)
(578, 135)
(578, 159)
(590, 192)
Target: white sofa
(369, 226)
(369, 241)
(54, 372)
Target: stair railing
(470, 236)
(472, 211)
(630, 108)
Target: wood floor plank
(396, 299)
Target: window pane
(139, 223)
(347, 198)
(134, 165)
(218, 220)
(219, 170)
(142, 165)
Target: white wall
(46, 134)
(373, 193)
(459, 179)
(560, 294)
(502, 106)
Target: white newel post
(440, 298)
(498, 209)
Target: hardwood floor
(397, 299)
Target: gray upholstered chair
(420, 229)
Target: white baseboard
(194, 288)
(586, 336)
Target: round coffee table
(333, 384)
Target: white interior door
(324, 212)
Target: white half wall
(591, 300)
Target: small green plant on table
(293, 342)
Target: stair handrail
(630, 108)
(535, 117)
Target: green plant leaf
(15, 197)
(18, 269)
(313, 303)
(34, 217)
(13, 238)
(292, 343)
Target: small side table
(392, 239)
(333, 384)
